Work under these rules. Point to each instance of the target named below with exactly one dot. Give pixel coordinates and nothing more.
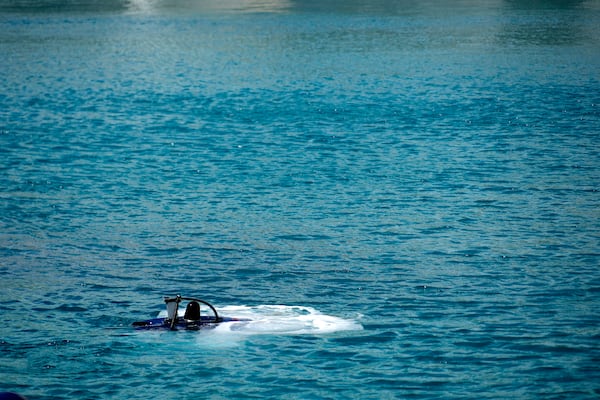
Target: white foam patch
(279, 319)
(143, 6)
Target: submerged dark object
(11, 396)
(193, 319)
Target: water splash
(279, 319)
(266, 320)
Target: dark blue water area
(428, 172)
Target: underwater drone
(192, 319)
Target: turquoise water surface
(403, 196)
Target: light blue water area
(404, 196)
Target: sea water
(402, 196)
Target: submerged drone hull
(204, 322)
(191, 320)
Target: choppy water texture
(404, 195)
